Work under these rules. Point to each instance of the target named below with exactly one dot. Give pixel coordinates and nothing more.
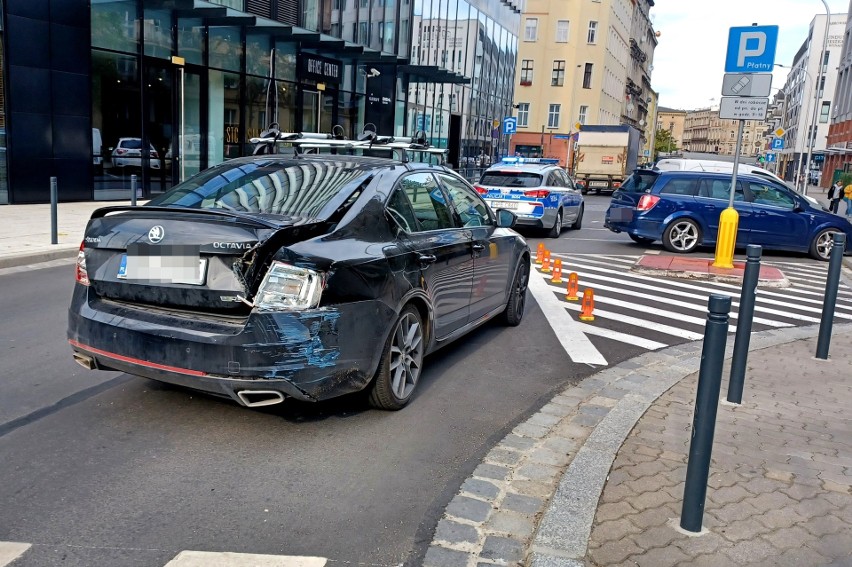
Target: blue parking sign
(510, 125)
(751, 49)
(777, 143)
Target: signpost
(749, 62)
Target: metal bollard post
(745, 315)
(831, 284)
(706, 404)
(133, 190)
(54, 205)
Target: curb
(533, 499)
(57, 253)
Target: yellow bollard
(539, 253)
(545, 263)
(588, 305)
(726, 239)
(573, 286)
(557, 271)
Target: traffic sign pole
(729, 219)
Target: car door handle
(427, 259)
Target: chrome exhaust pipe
(85, 361)
(259, 398)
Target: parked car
(537, 190)
(128, 153)
(682, 209)
(305, 277)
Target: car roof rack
(269, 139)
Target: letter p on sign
(751, 49)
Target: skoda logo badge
(156, 234)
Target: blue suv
(682, 209)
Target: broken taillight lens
(81, 274)
(647, 202)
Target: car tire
(682, 236)
(556, 229)
(578, 223)
(401, 362)
(640, 239)
(514, 312)
(822, 244)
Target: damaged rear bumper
(308, 355)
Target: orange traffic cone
(539, 253)
(545, 263)
(557, 271)
(588, 305)
(572, 287)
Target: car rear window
(510, 179)
(639, 182)
(134, 144)
(268, 187)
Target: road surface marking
(623, 338)
(11, 550)
(567, 330)
(228, 559)
(641, 323)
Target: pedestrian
(835, 193)
(847, 196)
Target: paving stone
(572, 430)
(521, 503)
(813, 507)
(534, 489)
(562, 445)
(783, 518)
(454, 532)
(758, 485)
(659, 536)
(823, 526)
(567, 400)
(789, 538)
(834, 546)
(771, 501)
(733, 512)
(613, 530)
(750, 551)
(712, 560)
(650, 500)
(511, 523)
(586, 419)
(517, 442)
(651, 483)
(537, 471)
(544, 420)
(742, 530)
(800, 557)
(468, 508)
(480, 488)
(728, 494)
(548, 457)
(613, 511)
(782, 476)
(614, 553)
(616, 492)
(502, 548)
(660, 557)
(443, 557)
(653, 517)
(557, 410)
(491, 471)
(707, 543)
(503, 456)
(530, 430)
(801, 491)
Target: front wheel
(682, 236)
(402, 360)
(556, 230)
(822, 244)
(514, 311)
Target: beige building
(574, 61)
(673, 121)
(705, 132)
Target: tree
(664, 143)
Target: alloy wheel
(406, 355)
(684, 236)
(521, 290)
(824, 244)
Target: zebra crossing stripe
(568, 331)
(11, 550)
(623, 337)
(228, 559)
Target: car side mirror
(506, 218)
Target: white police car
(537, 190)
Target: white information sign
(741, 108)
(746, 84)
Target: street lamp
(806, 130)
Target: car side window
(765, 194)
(469, 206)
(566, 181)
(399, 208)
(427, 201)
(685, 187)
(553, 180)
(719, 189)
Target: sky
(689, 61)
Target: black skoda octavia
(303, 276)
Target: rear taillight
(647, 202)
(154, 154)
(480, 189)
(616, 184)
(81, 274)
(537, 194)
(121, 151)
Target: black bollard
(745, 315)
(706, 404)
(831, 284)
(54, 202)
(133, 190)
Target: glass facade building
(165, 88)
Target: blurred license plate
(621, 214)
(170, 264)
(511, 205)
(598, 184)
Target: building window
(562, 31)
(584, 110)
(553, 116)
(557, 79)
(587, 76)
(531, 29)
(593, 30)
(821, 86)
(824, 110)
(526, 72)
(523, 114)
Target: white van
(97, 144)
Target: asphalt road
(108, 469)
